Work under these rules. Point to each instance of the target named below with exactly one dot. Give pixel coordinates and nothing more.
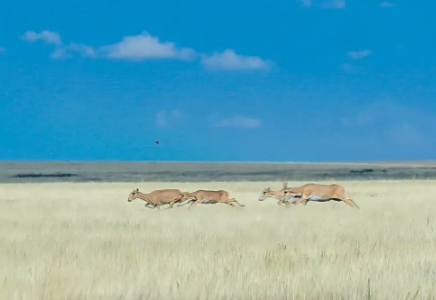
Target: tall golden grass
(85, 241)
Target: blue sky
(297, 80)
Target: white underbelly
(316, 198)
(206, 201)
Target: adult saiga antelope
(212, 197)
(281, 195)
(319, 192)
(157, 197)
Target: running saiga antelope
(281, 195)
(205, 196)
(157, 197)
(319, 192)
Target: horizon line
(212, 161)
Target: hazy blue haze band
(15, 171)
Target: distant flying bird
(157, 142)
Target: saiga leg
(236, 201)
(148, 205)
(303, 200)
(354, 203)
(174, 202)
(194, 203)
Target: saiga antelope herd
(285, 196)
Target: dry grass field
(85, 241)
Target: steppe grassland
(85, 241)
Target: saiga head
(267, 192)
(133, 195)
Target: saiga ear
(285, 184)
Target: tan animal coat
(157, 197)
(206, 196)
(320, 192)
(281, 195)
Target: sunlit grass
(85, 241)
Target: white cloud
(324, 4)
(61, 50)
(67, 51)
(334, 4)
(229, 60)
(347, 67)
(47, 36)
(306, 3)
(82, 49)
(161, 119)
(60, 53)
(394, 123)
(386, 4)
(145, 46)
(406, 134)
(238, 121)
(164, 118)
(359, 54)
